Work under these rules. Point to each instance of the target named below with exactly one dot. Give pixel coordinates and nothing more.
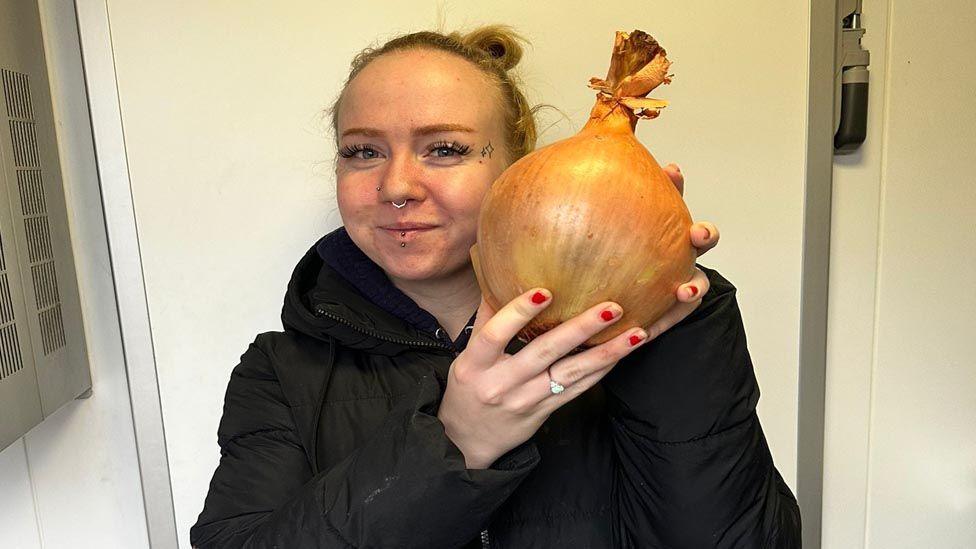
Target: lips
(406, 232)
(408, 226)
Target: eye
(444, 149)
(353, 151)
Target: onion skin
(591, 218)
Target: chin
(422, 267)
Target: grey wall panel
(36, 233)
(20, 402)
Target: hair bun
(499, 42)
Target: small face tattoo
(487, 150)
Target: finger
(582, 371)
(674, 172)
(694, 289)
(485, 311)
(704, 236)
(561, 340)
(688, 301)
(489, 339)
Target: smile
(406, 233)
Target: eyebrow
(423, 130)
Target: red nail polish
(634, 340)
(694, 291)
(607, 315)
(538, 298)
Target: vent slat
(6, 302)
(52, 330)
(10, 359)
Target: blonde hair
(494, 49)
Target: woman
(386, 414)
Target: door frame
(98, 57)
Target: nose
(402, 180)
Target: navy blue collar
(339, 252)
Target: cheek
(352, 197)
(466, 202)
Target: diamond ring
(555, 388)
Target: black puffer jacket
(329, 438)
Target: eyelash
(462, 150)
(350, 151)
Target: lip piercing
(398, 206)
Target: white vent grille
(31, 192)
(10, 359)
(17, 95)
(30, 186)
(43, 353)
(45, 285)
(38, 238)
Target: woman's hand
(704, 237)
(495, 401)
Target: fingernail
(708, 234)
(539, 298)
(608, 315)
(637, 338)
(693, 290)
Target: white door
(900, 457)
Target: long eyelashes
(440, 149)
(453, 146)
(351, 150)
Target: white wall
(900, 456)
(230, 165)
(73, 481)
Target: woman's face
(425, 127)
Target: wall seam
(30, 480)
(882, 175)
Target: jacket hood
(320, 303)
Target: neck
(452, 300)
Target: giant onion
(592, 217)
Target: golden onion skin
(591, 218)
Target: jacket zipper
(320, 311)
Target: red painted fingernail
(539, 297)
(694, 291)
(607, 315)
(635, 339)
